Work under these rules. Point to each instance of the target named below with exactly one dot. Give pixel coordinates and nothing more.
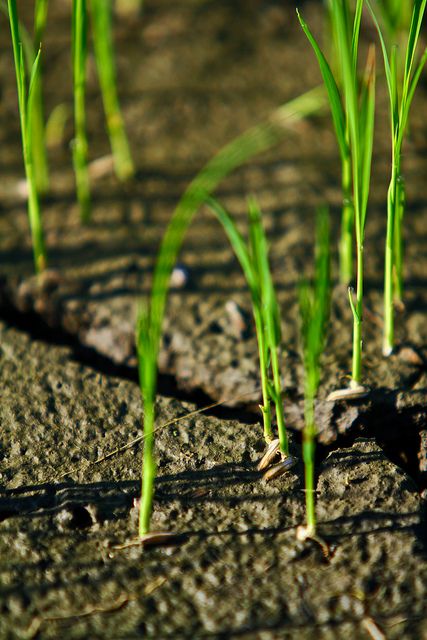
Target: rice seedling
(41, 169)
(346, 239)
(253, 258)
(401, 93)
(353, 115)
(31, 46)
(314, 304)
(104, 54)
(26, 105)
(80, 143)
(147, 367)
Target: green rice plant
(147, 366)
(104, 54)
(401, 93)
(41, 168)
(347, 212)
(314, 306)
(80, 143)
(26, 105)
(253, 258)
(31, 46)
(353, 112)
(150, 316)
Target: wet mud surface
(68, 372)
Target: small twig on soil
(373, 629)
(37, 622)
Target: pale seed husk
(279, 469)
(270, 455)
(352, 393)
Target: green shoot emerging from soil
(314, 303)
(253, 258)
(401, 92)
(80, 144)
(150, 319)
(104, 54)
(26, 106)
(347, 212)
(353, 115)
(147, 366)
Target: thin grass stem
(25, 105)
(80, 143)
(104, 54)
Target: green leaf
(338, 115)
(239, 248)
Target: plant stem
(358, 320)
(41, 170)
(148, 468)
(104, 54)
(308, 451)
(281, 427)
(398, 240)
(347, 225)
(265, 407)
(39, 251)
(80, 144)
(392, 224)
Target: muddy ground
(193, 75)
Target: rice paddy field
(226, 550)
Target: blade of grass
(147, 379)
(339, 119)
(104, 54)
(314, 305)
(346, 27)
(247, 261)
(270, 315)
(25, 104)
(80, 143)
(401, 89)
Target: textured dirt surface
(192, 76)
(239, 572)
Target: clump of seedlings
(151, 315)
(253, 258)
(402, 75)
(26, 104)
(314, 306)
(353, 110)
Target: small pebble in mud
(179, 277)
(237, 318)
(73, 517)
(412, 356)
